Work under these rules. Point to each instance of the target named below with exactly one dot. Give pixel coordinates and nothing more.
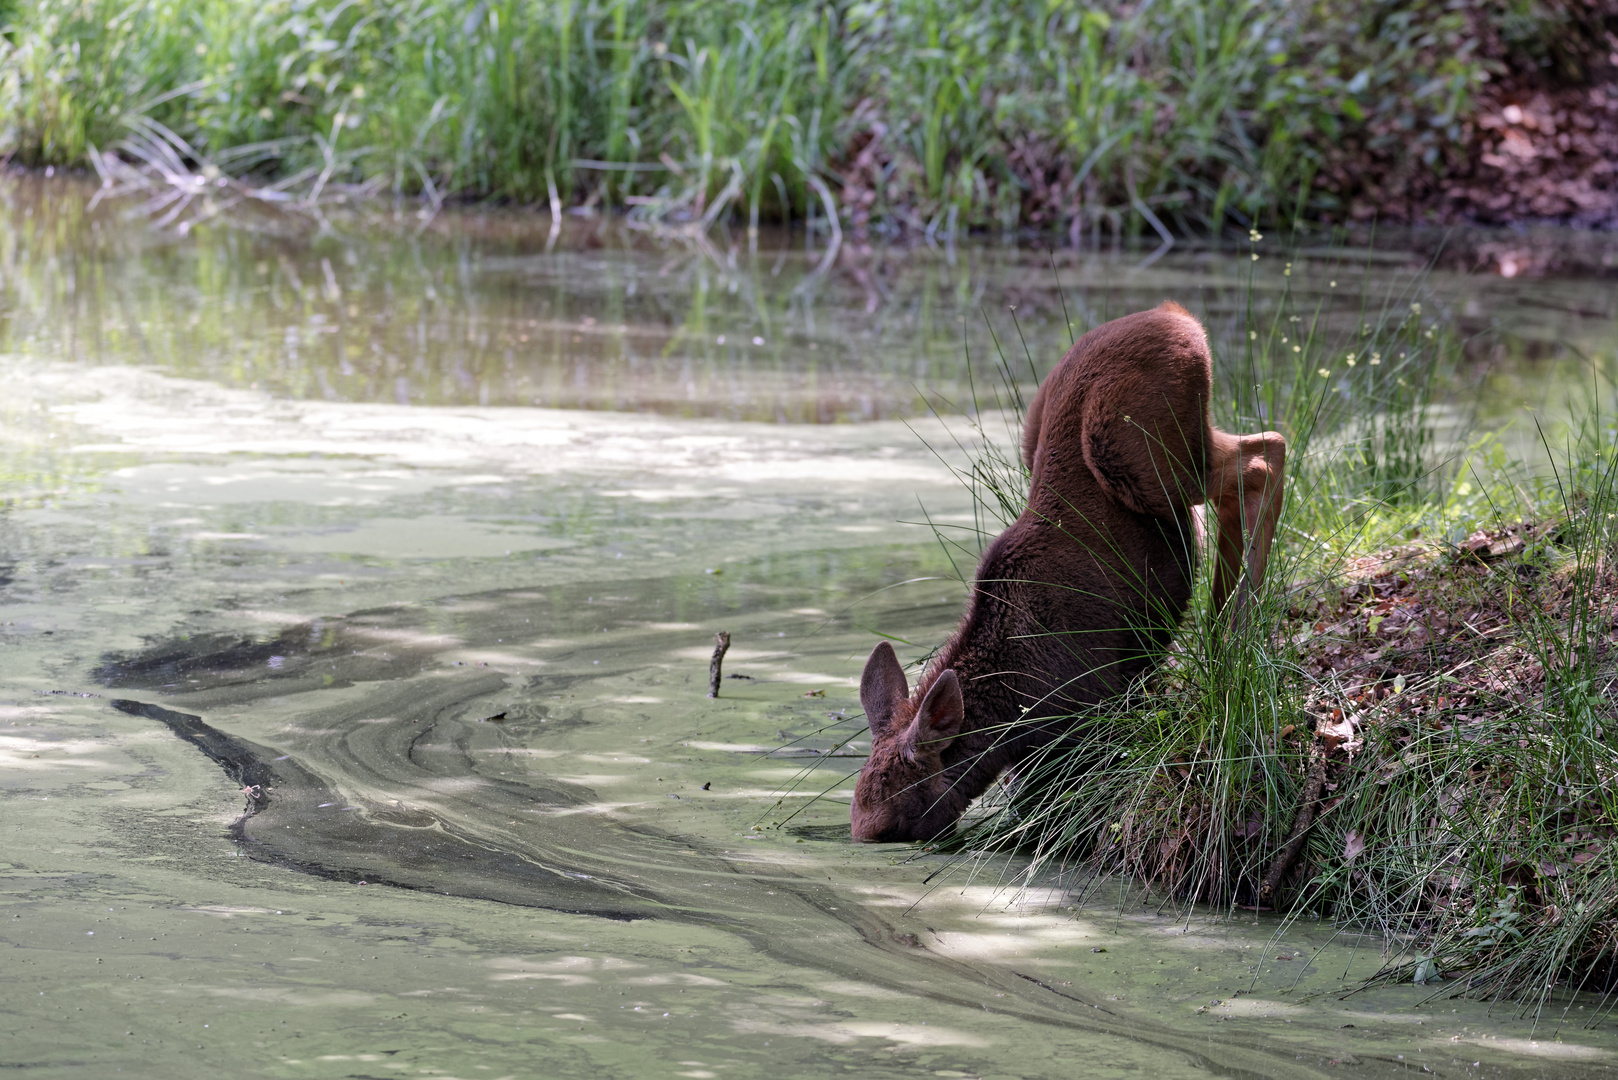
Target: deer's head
(903, 792)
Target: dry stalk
(1304, 818)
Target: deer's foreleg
(1246, 484)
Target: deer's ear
(942, 711)
(882, 689)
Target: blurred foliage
(1196, 113)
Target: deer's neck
(991, 738)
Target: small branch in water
(1300, 824)
(721, 642)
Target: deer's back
(1083, 591)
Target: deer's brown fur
(1081, 594)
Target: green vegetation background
(1192, 114)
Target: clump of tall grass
(1412, 734)
(1128, 117)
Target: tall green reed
(1051, 114)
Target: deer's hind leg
(1246, 485)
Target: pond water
(424, 532)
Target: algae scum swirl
(365, 734)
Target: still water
(357, 587)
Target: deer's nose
(868, 828)
(868, 832)
(864, 834)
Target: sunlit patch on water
(418, 538)
(36, 755)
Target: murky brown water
(318, 519)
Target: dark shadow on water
(295, 820)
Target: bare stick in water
(721, 642)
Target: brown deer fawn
(1081, 594)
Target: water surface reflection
(488, 308)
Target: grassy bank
(1414, 738)
(1186, 115)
